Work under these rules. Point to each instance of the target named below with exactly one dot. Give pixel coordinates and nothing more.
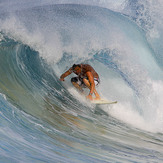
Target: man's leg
(75, 81)
(86, 82)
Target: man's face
(77, 70)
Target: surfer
(86, 77)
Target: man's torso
(85, 68)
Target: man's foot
(97, 98)
(89, 97)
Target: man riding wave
(86, 77)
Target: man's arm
(91, 81)
(68, 72)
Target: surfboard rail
(103, 101)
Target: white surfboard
(103, 101)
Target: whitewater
(45, 120)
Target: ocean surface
(44, 120)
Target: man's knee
(86, 82)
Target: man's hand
(62, 79)
(90, 97)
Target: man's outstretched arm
(65, 74)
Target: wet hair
(74, 66)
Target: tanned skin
(88, 74)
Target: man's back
(85, 68)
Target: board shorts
(79, 81)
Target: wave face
(45, 120)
